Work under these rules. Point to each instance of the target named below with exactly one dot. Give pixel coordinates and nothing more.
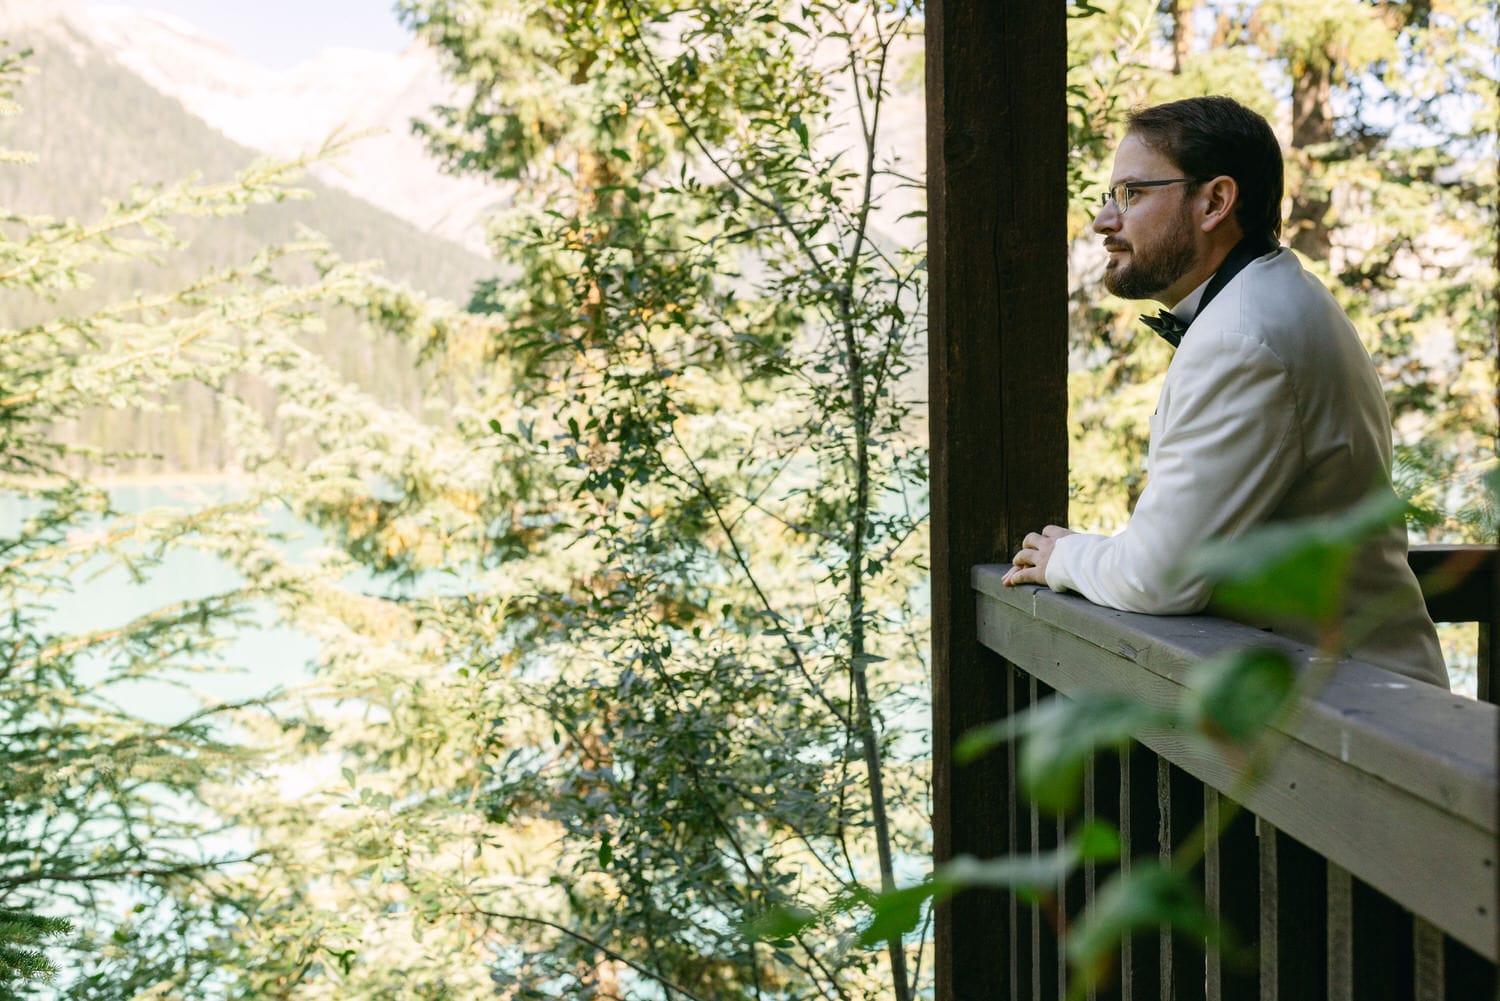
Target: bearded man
(1271, 409)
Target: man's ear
(1218, 198)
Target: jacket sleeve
(1221, 457)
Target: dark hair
(1212, 136)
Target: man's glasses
(1122, 193)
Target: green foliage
(21, 935)
(1237, 695)
(1060, 735)
(621, 642)
(104, 819)
(1148, 895)
(1232, 702)
(1295, 568)
(1391, 199)
(140, 142)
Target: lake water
(259, 657)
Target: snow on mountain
(284, 112)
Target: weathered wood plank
(1104, 795)
(1293, 930)
(1044, 922)
(1340, 935)
(1485, 663)
(1183, 966)
(1421, 730)
(1022, 915)
(1270, 903)
(1232, 893)
(1427, 955)
(997, 299)
(1427, 839)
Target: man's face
(1153, 245)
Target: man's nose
(1108, 219)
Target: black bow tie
(1168, 325)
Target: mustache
(1116, 245)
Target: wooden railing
(1363, 865)
(1459, 583)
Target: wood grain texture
(1428, 963)
(1232, 893)
(1423, 832)
(1340, 935)
(1435, 745)
(997, 304)
(1140, 960)
(1103, 800)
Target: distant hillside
(97, 129)
(283, 111)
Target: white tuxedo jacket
(1271, 410)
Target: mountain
(283, 112)
(98, 129)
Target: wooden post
(997, 261)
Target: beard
(1152, 267)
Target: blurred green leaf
(1296, 568)
(780, 923)
(898, 912)
(1147, 896)
(1059, 735)
(1238, 693)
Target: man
(1271, 409)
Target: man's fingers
(1056, 531)
(1022, 575)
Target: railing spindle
(1232, 894)
(1044, 940)
(1183, 967)
(1340, 935)
(1484, 666)
(1022, 915)
(1140, 957)
(1104, 797)
(1427, 950)
(1293, 930)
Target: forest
(617, 590)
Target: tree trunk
(1312, 128)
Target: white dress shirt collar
(1188, 307)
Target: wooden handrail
(1390, 779)
(1458, 582)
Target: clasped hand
(1031, 561)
